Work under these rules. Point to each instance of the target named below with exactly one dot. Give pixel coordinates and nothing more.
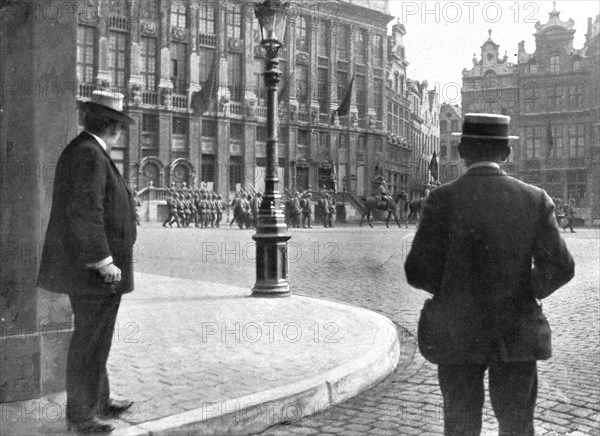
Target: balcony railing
(85, 90)
(180, 101)
(118, 22)
(261, 111)
(150, 97)
(303, 116)
(236, 108)
(207, 39)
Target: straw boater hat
(106, 104)
(485, 126)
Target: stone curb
(256, 412)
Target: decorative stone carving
(223, 102)
(336, 119)
(372, 123)
(293, 112)
(234, 44)
(314, 114)
(135, 91)
(354, 119)
(250, 108)
(302, 58)
(148, 28)
(178, 33)
(259, 51)
(166, 95)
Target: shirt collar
(485, 164)
(99, 139)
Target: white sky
(440, 43)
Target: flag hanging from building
(433, 167)
(549, 141)
(344, 107)
(201, 100)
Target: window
(206, 18)
(302, 34)
(533, 68)
(343, 141)
(179, 67)
(343, 43)
(360, 46)
(261, 134)
(233, 21)
(557, 141)
(180, 126)
(342, 84)
(86, 53)
(378, 94)
(443, 126)
(576, 65)
(576, 96)
(533, 142)
(148, 67)
(361, 94)
(207, 62)
(149, 131)
(323, 90)
(209, 129)
(178, 15)
(234, 76)
(259, 81)
(323, 39)
(554, 64)
(302, 92)
(454, 126)
(378, 51)
(236, 172)
(554, 96)
(236, 131)
(117, 58)
(208, 168)
(577, 140)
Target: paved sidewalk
(202, 358)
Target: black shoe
(572, 231)
(91, 425)
(115, 408)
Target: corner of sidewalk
(263, 382)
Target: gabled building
(551, 96)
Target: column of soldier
(299, 207)
(202, 207)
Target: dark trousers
(87, 380)
(513, 391)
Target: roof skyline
(449, 32)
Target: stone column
(35, 125)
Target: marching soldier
(296, 210)
(306, 210)
(187, 211)
(324, 203)
(332, 211)
(172, 208)
(203, 212)
(220, 207)
(181, 209)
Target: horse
(415, 207)
(373, 203)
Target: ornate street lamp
(271, 231)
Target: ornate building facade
(451, 165)
(552, 97)
(162, 53)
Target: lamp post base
(271, 266)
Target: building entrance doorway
(301, 178)
(325, 179)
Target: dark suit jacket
(92, 217)
(487, 246)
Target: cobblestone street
(364, 267)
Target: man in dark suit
(488, 248)
(88, 254)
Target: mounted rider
(383, 193)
